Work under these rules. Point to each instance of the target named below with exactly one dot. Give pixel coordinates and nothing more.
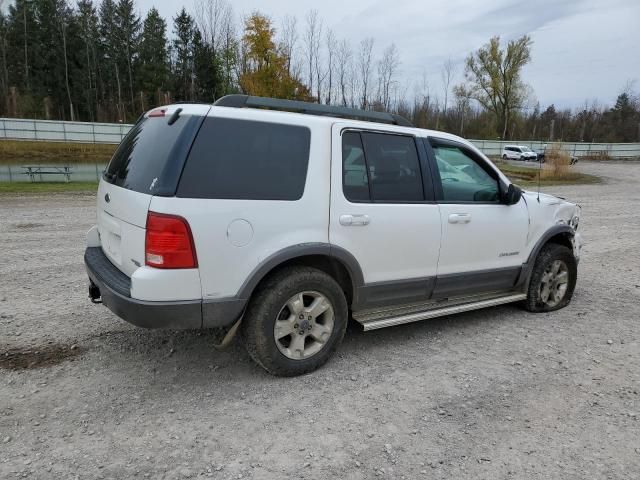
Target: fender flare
(303, 250)
(527, 267)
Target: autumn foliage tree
(495, 81)
(265, 69)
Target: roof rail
(248, 101)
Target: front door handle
(459, 218)
(354, 220)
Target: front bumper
(114, 290)
(578, 243)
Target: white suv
(519, 152)
(282, 220)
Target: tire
(277, 298)
(546, 291)
(504, 156)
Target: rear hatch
(148, 163)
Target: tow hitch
(94, 293)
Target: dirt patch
(37, 357)
(26, 226)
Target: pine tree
(128, 30)
(206, 70)
(87, 20)
(153, 67)
(112, 93)
(20, 36)
(184, 31)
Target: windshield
(525, 149)
(151, 156)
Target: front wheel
(295, 321)
(553, 279)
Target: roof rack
(248, 101)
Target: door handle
(354, 220)
(459, 218)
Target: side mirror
(512, 195)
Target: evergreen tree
(108, 53)
(128, 33)
(184, 31)
(87, 20)
(21, 29)
(153, 66)
(206, 70)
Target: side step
(391, 321)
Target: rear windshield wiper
(174, 117)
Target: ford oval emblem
(107, 198)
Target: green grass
(15, 152)
(528, 177)
(48, 187)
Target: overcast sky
(583, 49)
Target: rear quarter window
(152, 155)
(247, 160)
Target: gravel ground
(498, 393)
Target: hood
(561, 210)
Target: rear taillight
(169, 243)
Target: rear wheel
(504, 156)
(295, 321)
(553, 279)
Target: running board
(438, 312)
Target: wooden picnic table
(36, 171)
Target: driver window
(463, 179)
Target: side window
(355, 181)
(378, 167)
(463, 178)
(246, 160)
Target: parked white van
(519, 152)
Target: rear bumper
(114, 290)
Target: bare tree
(344, 58)
(312, 37)
(289, 38)
(212, 18)
(332, 47)
(387, 68)
(364, 67)
(447, 74)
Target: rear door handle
(354, 220)
(459, 218)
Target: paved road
(498, 393)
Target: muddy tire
(553, 279)
(295, 321)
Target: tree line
(102, 61)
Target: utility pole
(551, 130)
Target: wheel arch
(558, 234)
(334, 261)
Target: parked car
(518, 152)
(541, 156)
(281, 220)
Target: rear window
(151, 156)
(247, 160)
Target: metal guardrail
(113, 133)
(618, 151)
(56, 131)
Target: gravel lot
(498, 393)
